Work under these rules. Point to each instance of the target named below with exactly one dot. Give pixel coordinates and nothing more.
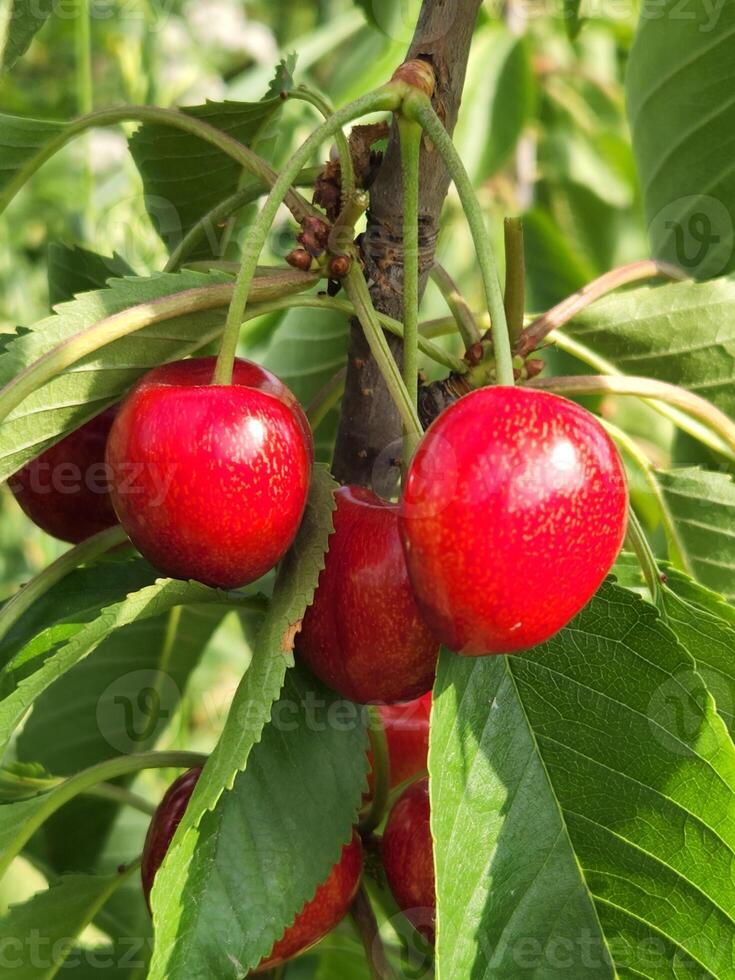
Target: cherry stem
(419, 107)
(640, 545)
(410, 139)
(570, 307)
(381, 773)
(235, 202)
(382, 99)
(118, 794)
(363, 917)
(464, 318)
(255, 165)
(618, 384)
(515, 277)
(325, 107)
(326, 398)
(83, 781)
(359, 295)
(119, 325)
(86, 551)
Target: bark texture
(368, 439)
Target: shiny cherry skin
(407, 732)
(65, 491)
(210, 481)
(513, 512)
(319, 916)
(408, 857)
(363, 635)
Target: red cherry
(363, 635)
(163, 827)
(513, 513)
(210, 481)
(65, 490)
(329, 905)
(407, 731)
(408, 857)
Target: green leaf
(20, 141)
(18, 26)
(184, 177)
(251, 706)
(593, 824)
(553, 268)
(683, 333)
(701, 505)
(504, 92)
(73, 269)
(38, 937)
(101, 378)
(36, 666)
(572, 20)
(120, 699)
(254, 861)
(679, 83)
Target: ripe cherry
(407, 732)
(408, 857)
(363, 635)
(319, 916)
(210, 481)
(65, 490)
(513, 513)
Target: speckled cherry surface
(407, 733)
(65, 490)
(513, 512)
(163, 826)
(210, 481)
(327, 908)
(363, 635)
(408, 857)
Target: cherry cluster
(512, 512)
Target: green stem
(226, 208)
(118, 794)
(359, 295)
(644, 465)
(119, 325)
(88, 550)
(410, 140)
(381, 773)
(463, 317)
(387, 99)
(250, 161)
(326, 399)
(515, 277)
(83, 781)
(639, 543)
(325, 107)
(617, 384)
(85, 103)
(421, 109)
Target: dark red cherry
(513, 512)
(65, 490)
(363, 635)
(407, 732)
(408, 857)
(210, 481)
(319, 916)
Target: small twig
(118, 794)
(464, 318)
(381, 773)
(570, 307)
(366, 924)
(639, 543)
(515, 277)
